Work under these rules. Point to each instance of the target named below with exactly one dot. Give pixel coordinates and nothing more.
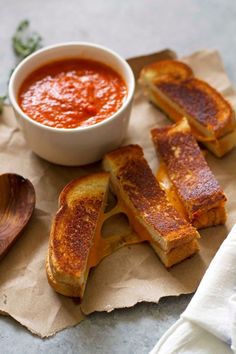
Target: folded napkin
(208, 325)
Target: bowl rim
(16, 106)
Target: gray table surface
(131, 28)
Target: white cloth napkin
(208, 325)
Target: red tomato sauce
(72, 93)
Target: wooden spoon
(17, 202)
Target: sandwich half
(171, 86)
(74, 234)
(186, 176)
(150, 213)
(80, 236)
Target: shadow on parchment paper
(40, 231)
(208, 237)
(58, 176)
(181, 271)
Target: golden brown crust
(190, 96)
(187, 169)
(211, 217)
(138, 188)
(201, 101)
(167, 68)
(73, 229)
(62, 288)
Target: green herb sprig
(2, 101)
(24, 43)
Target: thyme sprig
(24, 43)
(2, 100)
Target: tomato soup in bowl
(72, 101)
(72, 93)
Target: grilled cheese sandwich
(76, 242)
(171, 85)
(73, 231)
(150, 214)
(186, 177)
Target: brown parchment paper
(130, 275)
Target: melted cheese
(167, 186)
(102, 247)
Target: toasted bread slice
(171, 85)
(178, 254)
(145, 203)
(190, 176)
(74, 231)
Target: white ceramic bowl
(82, 145)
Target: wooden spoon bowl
(17, 203)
